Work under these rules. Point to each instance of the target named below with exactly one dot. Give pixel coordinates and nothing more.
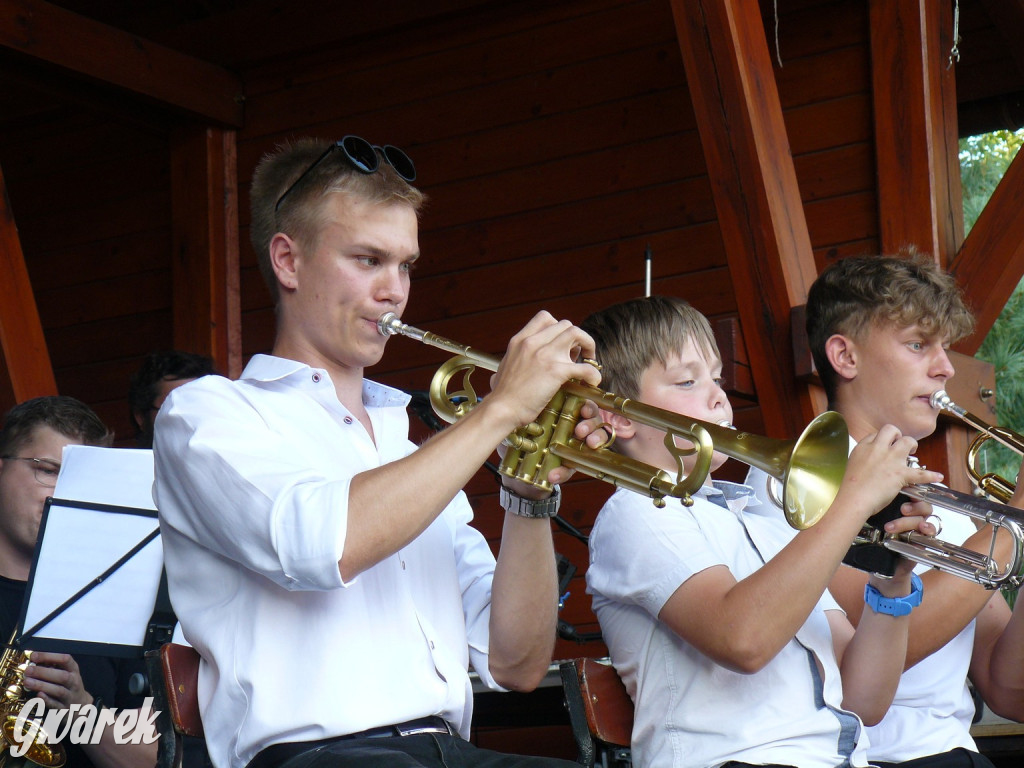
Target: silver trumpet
(985, 569)
(960, 561)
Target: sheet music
(102, 509)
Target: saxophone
(13, 729)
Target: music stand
(98, 558)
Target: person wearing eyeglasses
(323, 566)
(32, 440)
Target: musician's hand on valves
(878, 471)
(539, 360)
(917, 516)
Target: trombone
(994, 485)
(809, 468)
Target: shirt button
(316, 378)
(348, 419)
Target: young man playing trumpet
(718, 624)
(322, 565)
(879, 329)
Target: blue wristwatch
(895, 606)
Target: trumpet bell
(812, 475)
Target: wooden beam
(107, 54)
(991, 261)
(919, 196)
(204, 201)
(760, 213)
(27, 362)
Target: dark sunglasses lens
(360, 153)
(400, 162)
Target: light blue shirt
(690, 711)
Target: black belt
(278, 754)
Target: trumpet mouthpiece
(388, 324)
(940, 401)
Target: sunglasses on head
(364, 157)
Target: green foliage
(983, 161)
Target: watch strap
(895, 606)
(518, 505)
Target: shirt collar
(268, 368)
(734, 496)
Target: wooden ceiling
(210, 60)
(39, 74)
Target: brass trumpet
(960, 561)
(810, 468)
(994, 485)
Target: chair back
(600, 712)
(173, 678)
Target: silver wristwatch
(512, 502)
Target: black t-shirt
(104, 677)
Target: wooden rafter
(26, 360)
(991, 261)
(110, 55)
(760, 213)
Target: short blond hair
(630, 336)
(300, 213)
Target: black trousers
(956, 758)
(430, 750)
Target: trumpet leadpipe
(389, 324)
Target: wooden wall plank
(205, 244)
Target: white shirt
(933, 708)
(691, 711)
(252, 481)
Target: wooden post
(753, 180)
(204, 198)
